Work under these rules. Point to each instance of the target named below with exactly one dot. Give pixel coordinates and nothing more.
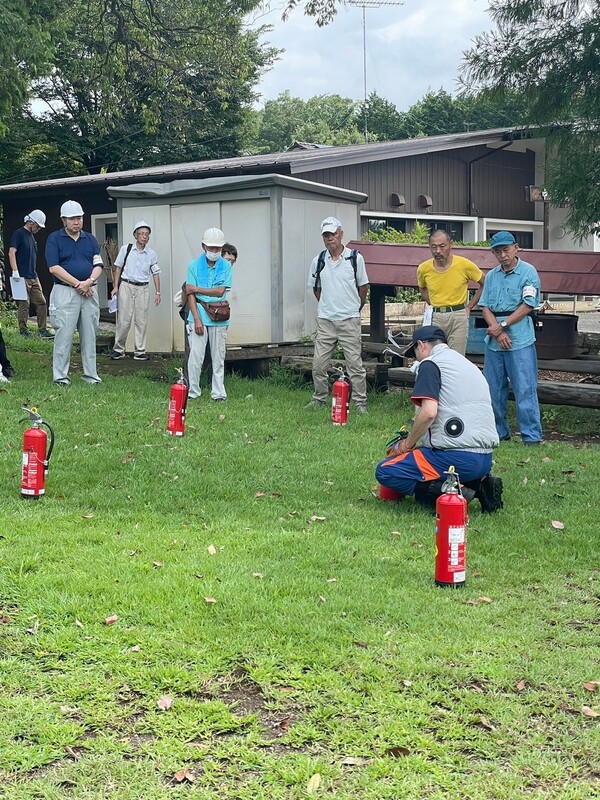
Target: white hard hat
(71, 209)
(213, 237)
(141, 224)
(38, 217)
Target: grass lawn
(278, 633)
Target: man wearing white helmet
(135, 264)
(73, 258)
(22, 256)
(208, 279)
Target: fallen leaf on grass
(331, 580)
(361, 644)
(157, 564)
(559, 526)
(221, 417)
(72, 753)
(210, 600)
(485, 723)
(184, 775)
(475, 688)
(313, 784)
(396, 533)
(322, 599)
(568, 472)
(591, 686)
(397, 752)
(165, 703)
(212, 550)
(136, 648)
(407, 683)
(78, 623)
(545, 460)
(589, 712)
(111, 620)
(68, 710)
(258, 575)
(521, 685)
(34, 629)
(286, 689)
(87, 516)
(314, 518)
(483, 599)
(351, 761)
(525, 481)
(129, 457)
(260, 494)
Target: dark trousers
(4, 362)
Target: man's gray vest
(465, 419)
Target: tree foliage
(145, 82)
(548, 51)
(25, 48)
(335, 120)
(325, 119)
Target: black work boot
(489, 494)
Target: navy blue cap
(428, 333)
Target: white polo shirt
(339, 295)
(139, 266)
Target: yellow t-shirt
(448, 288)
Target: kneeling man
(454, 420)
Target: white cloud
(410, 49)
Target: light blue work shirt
(503, 292)
(200, 273)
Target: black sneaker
(8, 372)
(489, 494)
(25, 334)
(141, 357)
(116, 356)
(45, 334)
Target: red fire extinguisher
(35, 458)
(340, 402)
(177, 406)
(451, 534)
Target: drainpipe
(470, 173)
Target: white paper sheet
(18, 289)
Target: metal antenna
(364, 4)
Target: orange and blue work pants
(403, 472)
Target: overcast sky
(410, 48)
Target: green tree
(25, 48)
(548, 50)
(384, 122)
(146, 82)
(325, 119)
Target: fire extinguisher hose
(51, 447)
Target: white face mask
(212, 256)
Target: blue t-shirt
(199, 273)
(503, 292)
(76, 257)
(26, 256)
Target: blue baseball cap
(502, 239)
(428, 333)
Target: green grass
(328, 650)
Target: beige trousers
(133, 307)
(347, 333)
(455, 325)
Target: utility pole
(364, 4)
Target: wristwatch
(504, 324)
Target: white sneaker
(3, 378)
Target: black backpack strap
(353, 261)
(319, 270)
(129, 246)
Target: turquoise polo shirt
(505, 292)
(199, 273)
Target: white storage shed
(273, 220)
